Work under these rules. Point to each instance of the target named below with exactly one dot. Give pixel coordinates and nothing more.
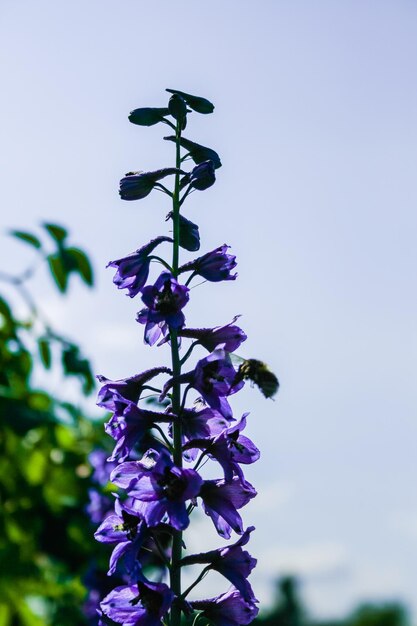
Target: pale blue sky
(315, 122)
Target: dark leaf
(79, 262)
(6, 312)
(27, 238)
(59, 271)
(76, 365)
(58, 233)
(45, 352)
(147, 116)
(201, 105)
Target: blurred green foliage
(46, 539)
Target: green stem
(176, 389)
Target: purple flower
(214, 378)
(232, 562)
(133, 270)
(213, 266)
(144, 604)
(229, 448)
(128, 532)
(165, 488)
(196, 424)
(129, 424)
(164, 301)
(228, 609)
(221, 500)
(228, 337)
(137, 185)
(129, 388)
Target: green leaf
(7, 322)
(75, 365)
(201, 105)
(58, 271)
(27, 238)
(79, 262)
(35, 467)
(45, 352)
(39, 401)
(147, 116)
(58, 233)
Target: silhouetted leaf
(27, 238)
(58, 233)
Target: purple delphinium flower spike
(156, 491)
(229, 448)
(228, 609)
(221, 500)
(129, 388)
(133, 269)
(232, 562)
(164, 487)
(164, 301)
(144, 604)
(214, 266)
(228, 337)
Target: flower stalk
(175, 574)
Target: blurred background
(315, 123)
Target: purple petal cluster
(142, 604)
(164, 303)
